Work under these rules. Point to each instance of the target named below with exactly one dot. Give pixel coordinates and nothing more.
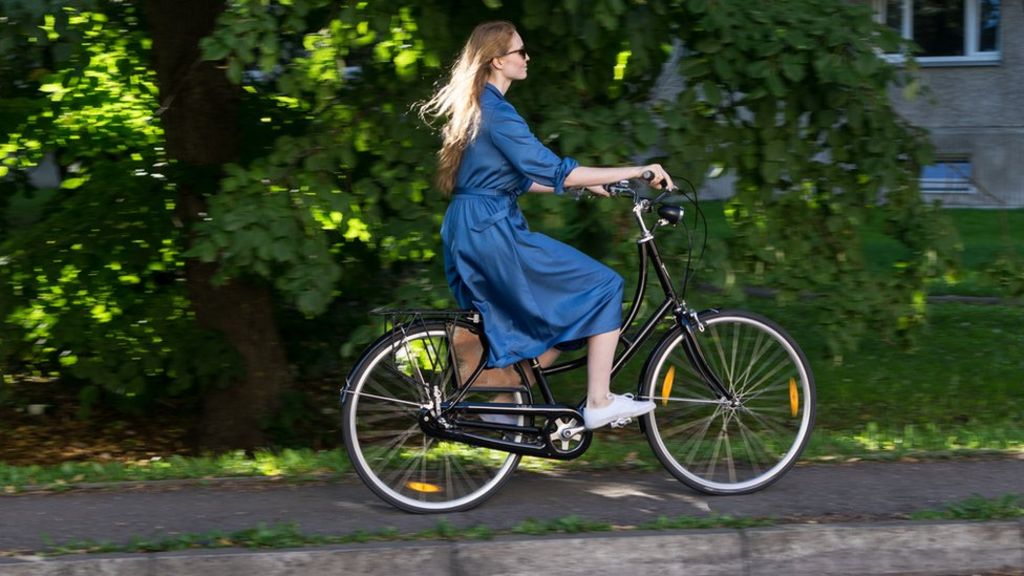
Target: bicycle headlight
(670, 214)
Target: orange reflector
(666, 385)
(794, 397)
(423, 487)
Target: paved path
(821, 493)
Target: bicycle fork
(687, 319)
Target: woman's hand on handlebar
(659, 177)
(598, 190)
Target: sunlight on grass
(276, 464)
(443, 450)
(911, 441)
(625, 450)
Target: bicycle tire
(389, 451)
(718, 447)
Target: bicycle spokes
(744, 441)
(384, 436)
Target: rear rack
(406, 316)
(402, 319)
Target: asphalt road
(835, 493)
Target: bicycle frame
(687, 318)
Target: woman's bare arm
(593, 177)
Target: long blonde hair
(458, 101)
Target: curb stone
(905, 548)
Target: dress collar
(494, 90)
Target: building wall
(977, 111)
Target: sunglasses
(520, 51)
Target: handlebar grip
(649, 176)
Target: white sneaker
(621, 407)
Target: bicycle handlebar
(630, 189)
(667, 203)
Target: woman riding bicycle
(533, 292)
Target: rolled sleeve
(536, 162)
(525, 184)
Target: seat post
(538, 375)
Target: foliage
(792, 98)
(1008, 273)
(90, 271)
(331, 200)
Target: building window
(948, 31)
(949, 176)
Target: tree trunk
(199, 118)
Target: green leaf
(793, 71)
(234, 71)
(72, 183)
(775, 151)
(708, 45)
(771, 171)
(646, 134)
(712, 94)
(214, 49)
(758, 69)
(283, 251)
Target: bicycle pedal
(621, 422)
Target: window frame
(972, 36)
(965, 185)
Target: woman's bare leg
(603, 408)
(600, 356)
(546, 359)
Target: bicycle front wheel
(391, 453)
(730, 446)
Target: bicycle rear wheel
(391, 453)
(719, 446)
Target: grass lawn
(962, 387)
(981, 236)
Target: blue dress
(533, 291)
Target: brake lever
(666, 193)
(620, 188)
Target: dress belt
(500, 214)
(460, 191)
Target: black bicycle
(735, 394)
